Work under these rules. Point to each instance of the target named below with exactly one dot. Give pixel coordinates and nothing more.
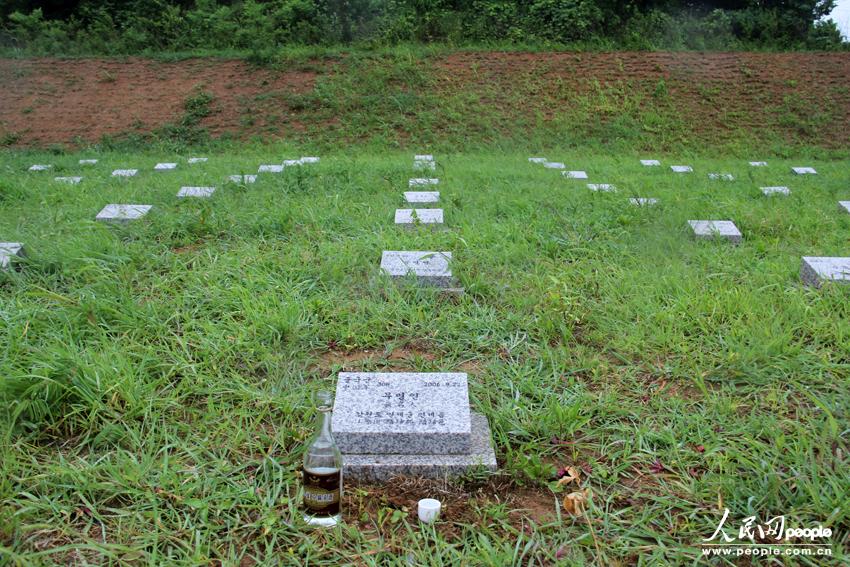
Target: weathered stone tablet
(681, 168)
(423, 157)
(88, 161)
(430, 268)
(417, 197)
(125, 172)
(844, 206)
(537, 160)
(420, 181)
(198, 160)
(402, 413)
(165, 166)
(309, 159)
(8, 252)
(554, 165)
(816, 270)
(575, 174)
(414, 217)
(40, 167)
(775, 191)
(292, 162)
(246, 179)
(605, 187)
(650, 162)
(721, 176)
(643, 201)
(69, 180)
(270, 168)
(200, 192)
(709, 229)
(122, 213)
(804, 170)
(758, 163)
(420, 165)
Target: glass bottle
(322, 472)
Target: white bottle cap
(429, 509)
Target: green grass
(157, 378)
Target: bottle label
(322, 492)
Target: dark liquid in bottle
(322, 491)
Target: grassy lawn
(157, 378)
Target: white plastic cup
(429, 509)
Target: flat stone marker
(88, 161)
(804, 170)
(604, 187)
(414, 217)
(844, 206)
(122, 213)
(8, 252)
(681, 168)
(70, 180)
(554, 165)
(575, 174)
(758, 163)
(200, 192)
(417, 197)
(424, 165)
(537, 160)
(643, 201)
(40, 167)
(816, 270)
(423, 157)
(650, 162)
(420, 181)
(270, 168)
(292, 162)
(198, 160)
(709, 229)
(721, 176)
(309, 159)
(769, 191)
(430, 268)
(165, 166)
(125, 172)
(246, 179)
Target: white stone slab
(423, 157)
(69, 180)
(758, 163)
(421, 165)
(40, 167)
(708, 229)
(8, 252)
(165, 166)
(122, 213)
(604, 187)
(681, 168)
(416, 197)
(804, 170)
(721, 176)
(816, 270)
(125, 172)
(554, 165)
(650, 162)
(537, 160)
(775, 191)
(198, 160)
(309, 159)
(273, 168)
(844, 206)
(292, 162)
(430, 268)
(575, 174)
(199, 192)
(643, 201)
(420, 181)
(413, 217)
(244, 179)
(88, 161)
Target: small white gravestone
(650, 162)
(274, 168)
(418, 197)
(643, 201)
(40, 167)
(721, 176)
(758, 163)
(775, 191)
(420, 181)
(165, 166)
(604, 187)
(291, 162)
(69, 180)
(681, 168)
(804, 170)
(122, 213)
(423, 157)
(844, 206)
(429, 268)
(421, 165)
(246, 179)
(816, 270)
(708, 229)
(8, 252)
(198, 160)
(309, 159)
(199, 192)
(88, 161)
(125, 172)
(537, 160)
(554, 165)
(413, 217)
(575, 174)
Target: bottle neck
(325, 424)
